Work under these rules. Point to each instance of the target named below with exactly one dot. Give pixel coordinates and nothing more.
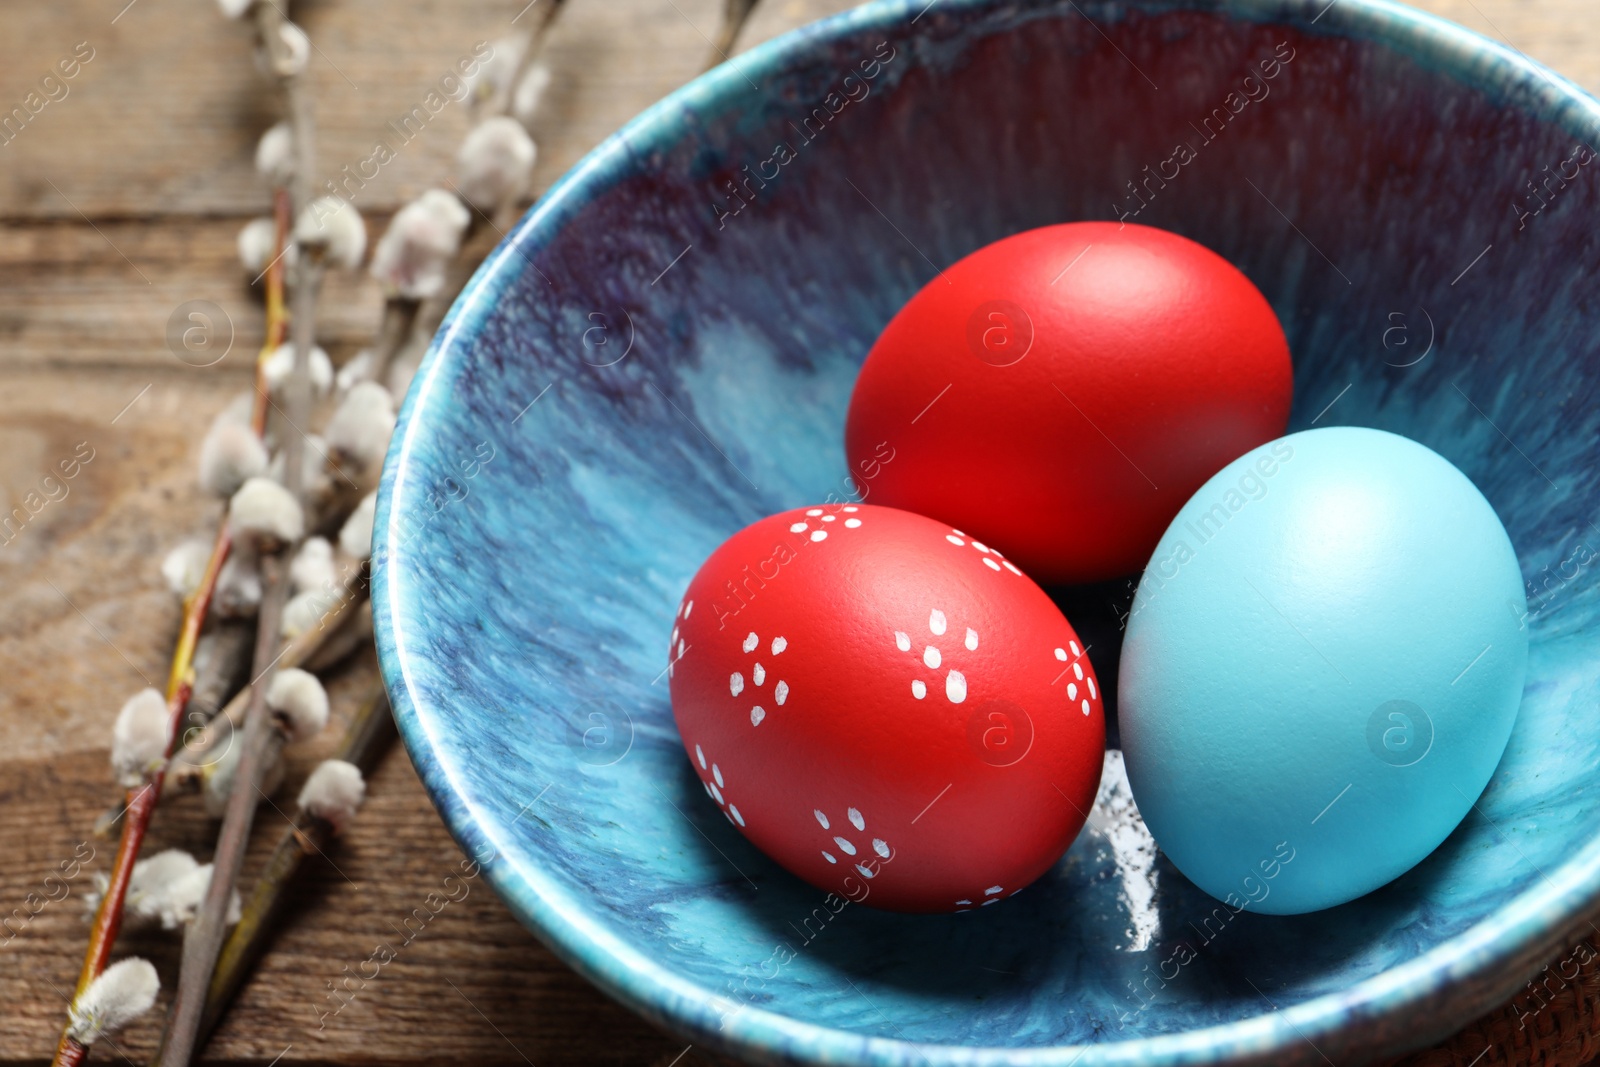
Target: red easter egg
(1062, 392)
(886, 707)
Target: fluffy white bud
(298, 48)
(264, 510)
(233, 9)
(361, 426)
(312, 566)
(182, 900)
(412, 256)
(185, 565)
(358, 368)
(152, 878)
(333, 792)
(238, 594)
(333, 224)
(304, 612)
(299, 702)
(230, 454)
(139, 738)
(255, 242)
(355, 536)
(123, 992)
(530, 92)
(275, 156)
(147, 884)
(314, 478)
(280, 365)
(496, 162)
(495, 72)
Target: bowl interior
(663, 353)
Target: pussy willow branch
(184, 770)
(500, 104)
(506, 95)
(141, 801)
(366, 739)
(262, 739)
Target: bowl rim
(1509, 943)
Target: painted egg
(886, 707)
(1060, 393)
(1321, 670)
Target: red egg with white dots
(1062, 392)
(888, 708)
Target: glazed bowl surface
(663, 351)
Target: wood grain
(118, 204)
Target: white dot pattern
(933, 657)
(992, 558)
(815, 522)
(839, 842)
(758, 676)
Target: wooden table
(120, 202)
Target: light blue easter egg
(1322, 666)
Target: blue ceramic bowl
(663, 351)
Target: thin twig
(366, 739)
(735, 13)
(140, 802)
(262, 744)
(506, 95)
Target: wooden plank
(172, 102)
